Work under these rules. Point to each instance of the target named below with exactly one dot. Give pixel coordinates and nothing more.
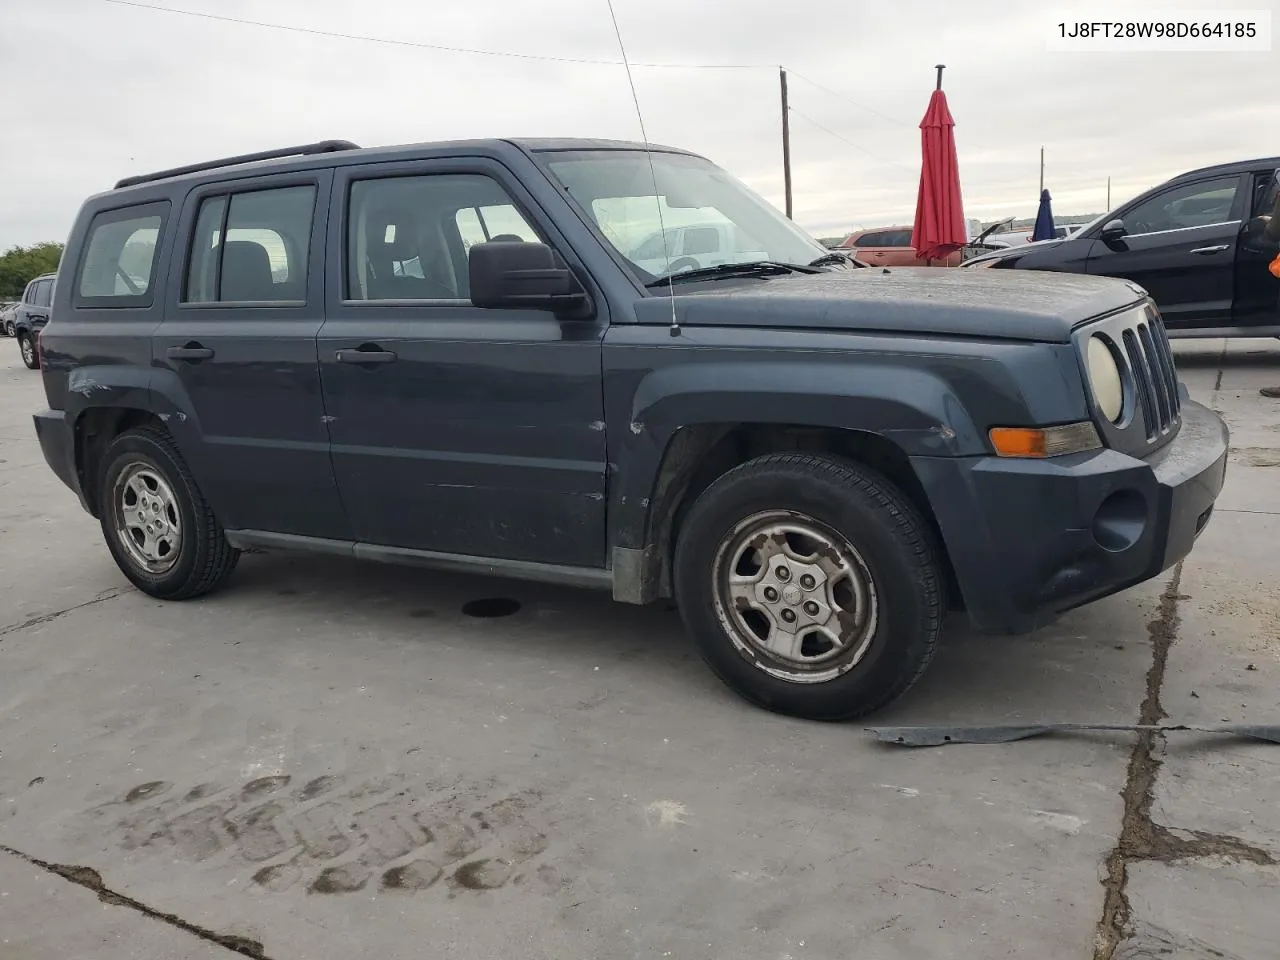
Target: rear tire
(161, 532)
(27, 347)
(856, 618)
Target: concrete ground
(330, 759)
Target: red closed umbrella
(939, 229)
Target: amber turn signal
(1040, 442)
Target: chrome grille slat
(1158, 380)
(1170, 368)
(1143, 385)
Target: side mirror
(1113, 230)
(509, 274)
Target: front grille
(1154, 377)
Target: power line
(855, 146)
(435, 46)
(847, 99)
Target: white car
(693, 246)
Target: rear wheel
(27, 347)
(160, 530)
(8, 328)
(811, 586)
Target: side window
(251, 247)
(1191, 205)
(119, 257)
(44, 293)
(651, 249)
(408, 237)
(1265, 189)
(871, 240)
(898, 238)
(700, 240)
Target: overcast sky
(94, 91)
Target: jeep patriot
(448, 354)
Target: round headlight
(1104, 378)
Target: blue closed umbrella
(1044, 219)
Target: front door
(1180, 246)
(239, 336)
(456, 430)
(1257, 302)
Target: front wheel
(811, 586)
(27, 347)
(161, 532)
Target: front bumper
(1029, 539)
(58, 444)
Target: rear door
(870, 248)
(1180, 245)
(1257, 292)
(456, 430)
(238, 339)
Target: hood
(1016, 305)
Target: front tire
(811, 586)
(161, 532)
(27, 347)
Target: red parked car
(891, 247)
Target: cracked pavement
(328, 759)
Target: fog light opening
(1120, 521)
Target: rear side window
(251, 247)
(701, 240)
(118, 264)
(870, 240)
(39, 293)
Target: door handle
(1208, 251)
(191, 352)
(364, 356)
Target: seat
(246, 272)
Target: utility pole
(1108, 194)
(786, 140)
(1042, 169)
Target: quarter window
(408, 238)
(120, 254)
(267, 236)
(1192, 205)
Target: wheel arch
(695, 456)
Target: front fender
(914, 408)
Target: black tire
(204, 558)
(894, 545)
(27, 347)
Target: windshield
(710, 218)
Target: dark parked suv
(1195, 243)
(442, 354)
(31, 315)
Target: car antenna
(653, 173)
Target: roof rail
(324, 146)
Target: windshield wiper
(753, 268)
(831, 259)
